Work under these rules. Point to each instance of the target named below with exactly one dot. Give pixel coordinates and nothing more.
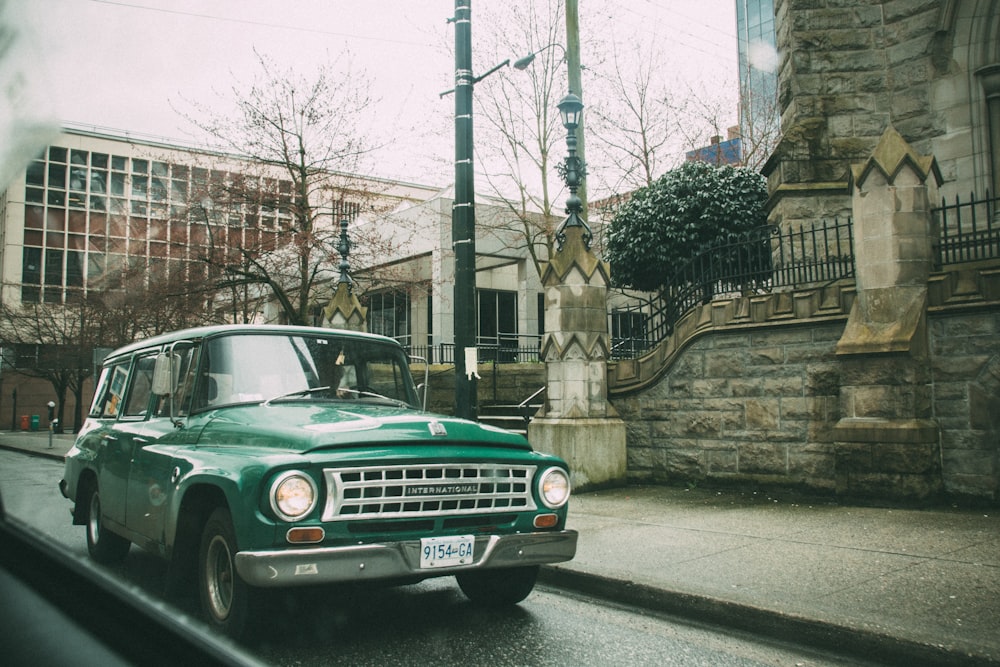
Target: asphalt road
(428, 623)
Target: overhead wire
(263, 24)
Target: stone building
(884, 384)
(849, 70)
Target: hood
(305, 427)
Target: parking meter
(52, 422)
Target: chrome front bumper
(394, 560)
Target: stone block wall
(498, 383)
(759, 406)
(965, 351)
(742, 406)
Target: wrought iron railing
(754, 262)
(968, 231)
(504, 349)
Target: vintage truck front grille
(408, 491)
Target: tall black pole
(463, 216)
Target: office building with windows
(100, 211)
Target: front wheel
(103, 546)
(227, 602)
(498, 588)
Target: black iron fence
(753, 262)
(505, 349)
(756, 262)
(968, 231)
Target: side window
(140, 388)
(100, 394)
(100, 391)
(110, 389)
(186, 365)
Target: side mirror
(165, 374)
(424, 388)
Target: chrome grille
(387, 492)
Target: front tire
(498, 588)
(103, 546)
(227, 602)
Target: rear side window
(110, 391)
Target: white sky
(129, 64)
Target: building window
(148, 216)
(497, 328)
(389, 315)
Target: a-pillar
(886, 444)
(576, 421)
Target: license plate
(446, 551)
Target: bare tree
(52, 343)
(635, 124)
(760, 125)
(56, 342)
(302, 141)
(523, 129)
(704, 116)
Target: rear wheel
(103, 546)
(227, 602)
(498, 588)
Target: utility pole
(463, 219)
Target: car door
(150, 484)
(112, 450)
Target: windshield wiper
(361, 393)
(293, 394)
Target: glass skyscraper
(758, 63)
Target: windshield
(251, 368)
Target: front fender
(199, 487)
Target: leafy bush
(662, 226)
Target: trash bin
(25, 420)
(35, 421)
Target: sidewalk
(914, 587)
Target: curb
(839, 639)
(43, 453)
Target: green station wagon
(256, 457)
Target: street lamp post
(573, 170)
(522, 63)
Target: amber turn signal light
(305, 535)
(546, 521)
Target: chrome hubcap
(94, 518)
(219, 577)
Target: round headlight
(293, 495)
(553, 487)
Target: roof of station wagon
(199, 333)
